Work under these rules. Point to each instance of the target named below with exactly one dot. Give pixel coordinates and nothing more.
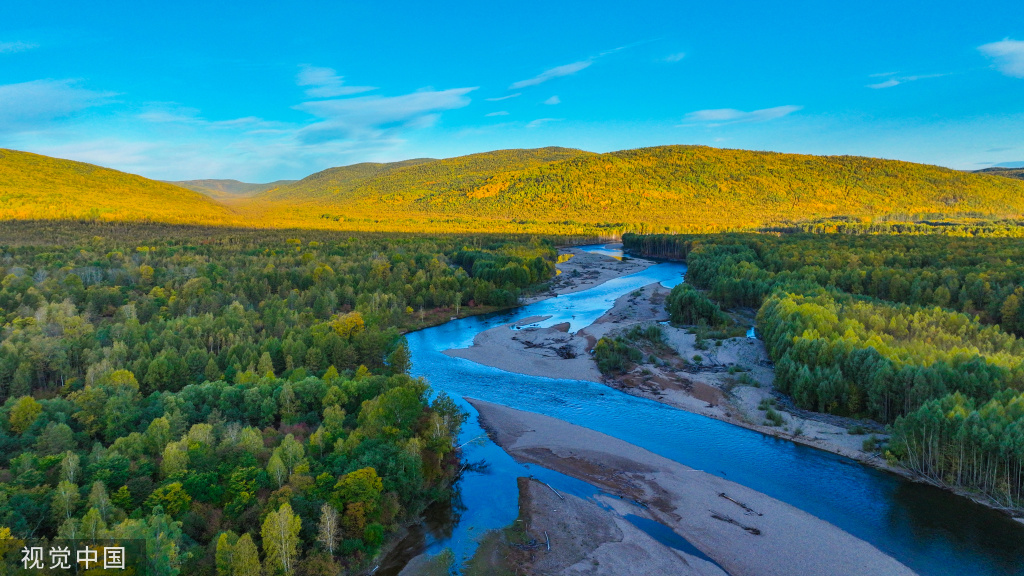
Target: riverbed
(930, 530)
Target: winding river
(930, 530)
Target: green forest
(239, 399)
(921, 332)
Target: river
(930, 530)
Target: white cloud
(721, 116)
(325, 83)
(541, 121)
(897, 80)
(12, 47)
(500, 98)
(30, 105)
(374, 115)
(1008, 56)
(675, 57)
(171, 113)
(553, 100)
(557, 72)
(499, 113)
(885, 84)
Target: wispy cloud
(31, 105)
(500, 98)
(499, 113)
(885, 84)
(325, 83)
(372, 116)
(1008, 56)
(556, 72)
(12, 47)
(553, 100)
(541, 121)
(170, 141)
(722, 116)
(171, 113)
(897, 80)
(675, 57)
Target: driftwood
(547, 540)
(750, 529)
(746, 508)
(552, 489)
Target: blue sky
(260, 91)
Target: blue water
(930, 530)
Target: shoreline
(744, 531)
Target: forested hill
(408, 180)
(224, 189)
(39, 187)
(662, 188)
(544, 190)
(1008, 172)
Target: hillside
(223, 189)
(42, 188)
(545, 190)
(676, 188)
(1008, 172)
(398, 182)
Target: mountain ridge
(219, 188)
(543, 190)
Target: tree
(175, 460)
(245, 559)
(163, 538)
(225, 554)
(65, 499)
(56, 438)
(292, 452)
(69, 467)
(266, 365)
(158, 435)
(172, 498)
(281, 539)
(277, 470)
(399, 359)
(363, 485)
(24, 413)
(329, 532)
(93, 525)
(100, 500)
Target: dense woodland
(239, 400)
(920, 332)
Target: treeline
(240, 401)
(895, 328)
(993, 228)
(980, 277)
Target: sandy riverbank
(548, 352)
(747, 533)
(584, 270)
(573, 536)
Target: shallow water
(930, 530)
